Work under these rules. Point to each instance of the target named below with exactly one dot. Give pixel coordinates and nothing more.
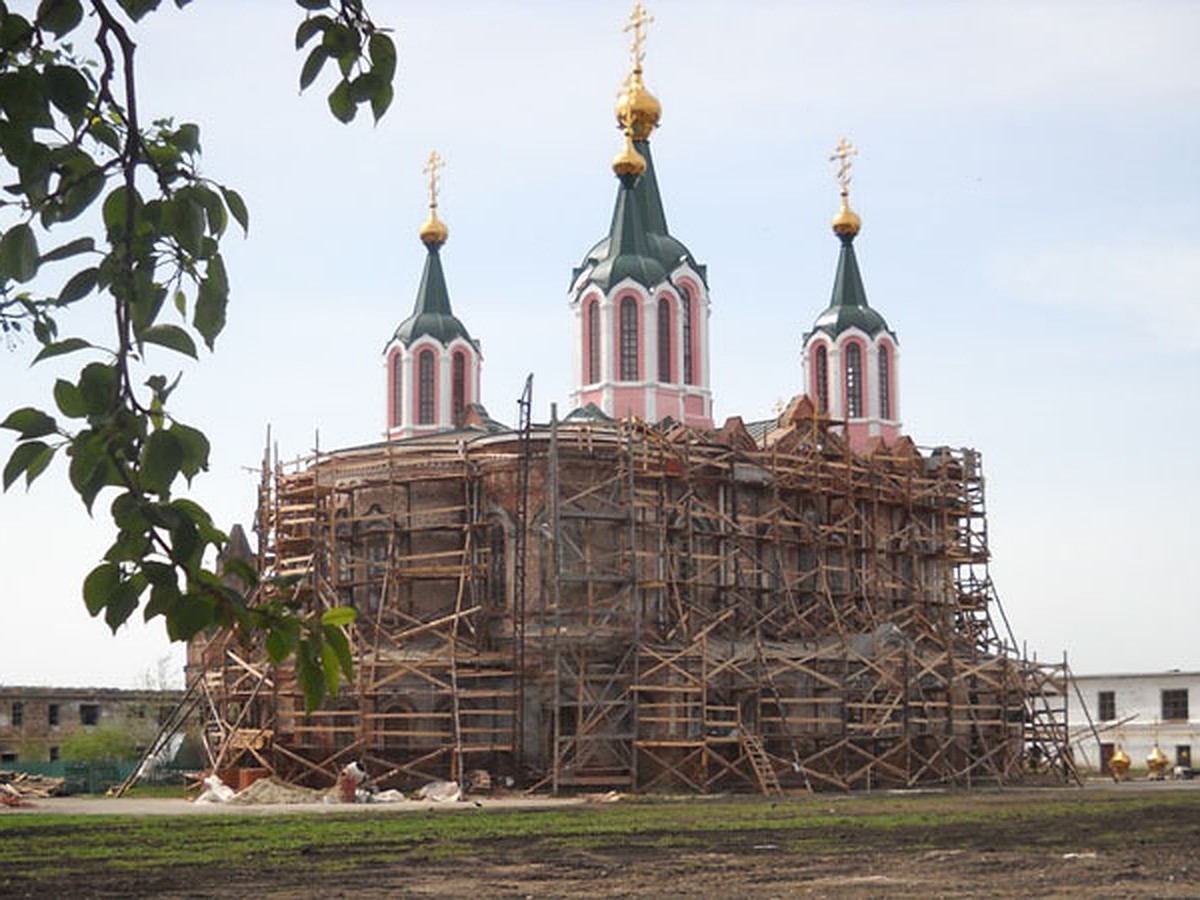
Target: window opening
(425, 404)
(664, 340)
(459, 388)
(853, 381)
(629, 340)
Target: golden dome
(846, 221)
(637, 108)
(434, 232)
(629, 161)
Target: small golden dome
(846, 221)
(434, 232)
(637, 108)
(629, 161)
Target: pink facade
(445, 394)
(854, 378)
(624, 336)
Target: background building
(35, 722)
(1135, 711)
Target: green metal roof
(432, 314)
(638, 245)
(848, 306)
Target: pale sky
(1028, 185)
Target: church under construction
(629, 596)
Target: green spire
(638, 245)
(848, 306)
(432, 314)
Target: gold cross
(842, 154)
(432, 165)
(638, 20)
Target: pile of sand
(272, 790)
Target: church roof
(848, 306)
(432, 314)
(638, 245)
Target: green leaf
(70, 345)
(195, 448)
(30, 423)
(313, 4)
(39, 463)
(383, 55)
(309, 28)
(68, 90)
(309, 674)
(19, 253)
(79, 286)
(59, 16)
(172, 337)
(381, 101)
(339, 616)
(163, 599)
(237, 208)
(98, 384)
(336, 638)
(313, 65)
(278, 646)
(191, 615)
(330, 666)
(211, 300)
(99, 585)
(69, 400)
(123, 601)
(161, 458)
(77, 246)
(115, 209)
(138, 8)
(187, 138)
(214, 209)
(21, 459)
(341, 104)
(186, 222)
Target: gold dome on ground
(846, 221)
(637, 108)
(434, 231)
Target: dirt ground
(1116, 850)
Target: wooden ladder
(768, 780)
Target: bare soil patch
(1135, 841)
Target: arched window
(821, 373)
(853, 381)
(425, 411)
(397, 390)
(458, 390)
(885, 382)
(629, 339)
(685, 335)
(593, 343)
(664, 339)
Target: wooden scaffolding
(699, 611)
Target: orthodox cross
(638, 20)
(432, 165)
(842, 154)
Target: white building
(1135, 711)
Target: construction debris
(215, 791)
(440, 792)
(24, 785)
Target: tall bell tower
(639, 300)
(433, 363)
(851, 357)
